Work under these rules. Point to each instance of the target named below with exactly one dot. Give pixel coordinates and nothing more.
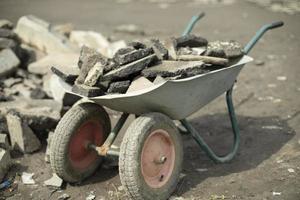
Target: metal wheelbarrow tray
(151, 151)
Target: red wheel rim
(158, 158)
(90, 132)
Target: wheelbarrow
(151, 152)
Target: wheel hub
(90, 132)
(157, 158)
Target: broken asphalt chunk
(232, 49)
(8, 62)
(5, 163)
(95, 72)
(21, 135)
(126, 70)
(118, 87)
(87, 91)
(66, 74)
(131, 56)
(88, 58)
(174, 68)
(54, 181)
(190, 41)
(159, 49)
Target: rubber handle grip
(276, 24)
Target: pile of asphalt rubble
(32, 100)
(148, 63)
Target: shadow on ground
(261, 137)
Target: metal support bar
(235, 129)
(192, 23)
(105, 148)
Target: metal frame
(106, 150)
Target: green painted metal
(260, 33)
(235, 129)
(192, 23)
(113, 134)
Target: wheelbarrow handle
(260, 33)
(192, 23)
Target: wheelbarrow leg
(235, 129)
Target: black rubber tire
(68, 126)
(130, 157)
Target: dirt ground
(267, 104)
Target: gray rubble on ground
(32, 100)
(173, 58)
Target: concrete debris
(66, 74)
(6, 33)
(90, 39)
(129, 69)
(88, 58)
(87, 91)
(5, 163)
(190, 41)
(130, 29)
(276, 193)
(139, 83)
(94, 74)
(175, 68)
(291, 170)
(4, 144)
(6, 43)
(64, 196)
(54, 181)
(201, 169)
(119, 87)
(91, 196)
(8, 62)
(281, 78)
(176, 198)
(38, 33)
(64, 29)
(206, 59)
(53, 88)
(40, 115)
(128, 57)
(137, 45)
(27, 178)
(232, 49)
(259, 62)
(9, 82)
(21, 135)
(159, 49)
(4, 23)
(47, 153)
(62, 61)
(191, 51)
(38, 93)
(170, 45)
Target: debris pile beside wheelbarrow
(148, 63)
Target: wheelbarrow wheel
(70, 157)
(150, 157)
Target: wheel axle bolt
(161, 160)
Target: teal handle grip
(192, 23)
(276, 24)
(260, 33)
